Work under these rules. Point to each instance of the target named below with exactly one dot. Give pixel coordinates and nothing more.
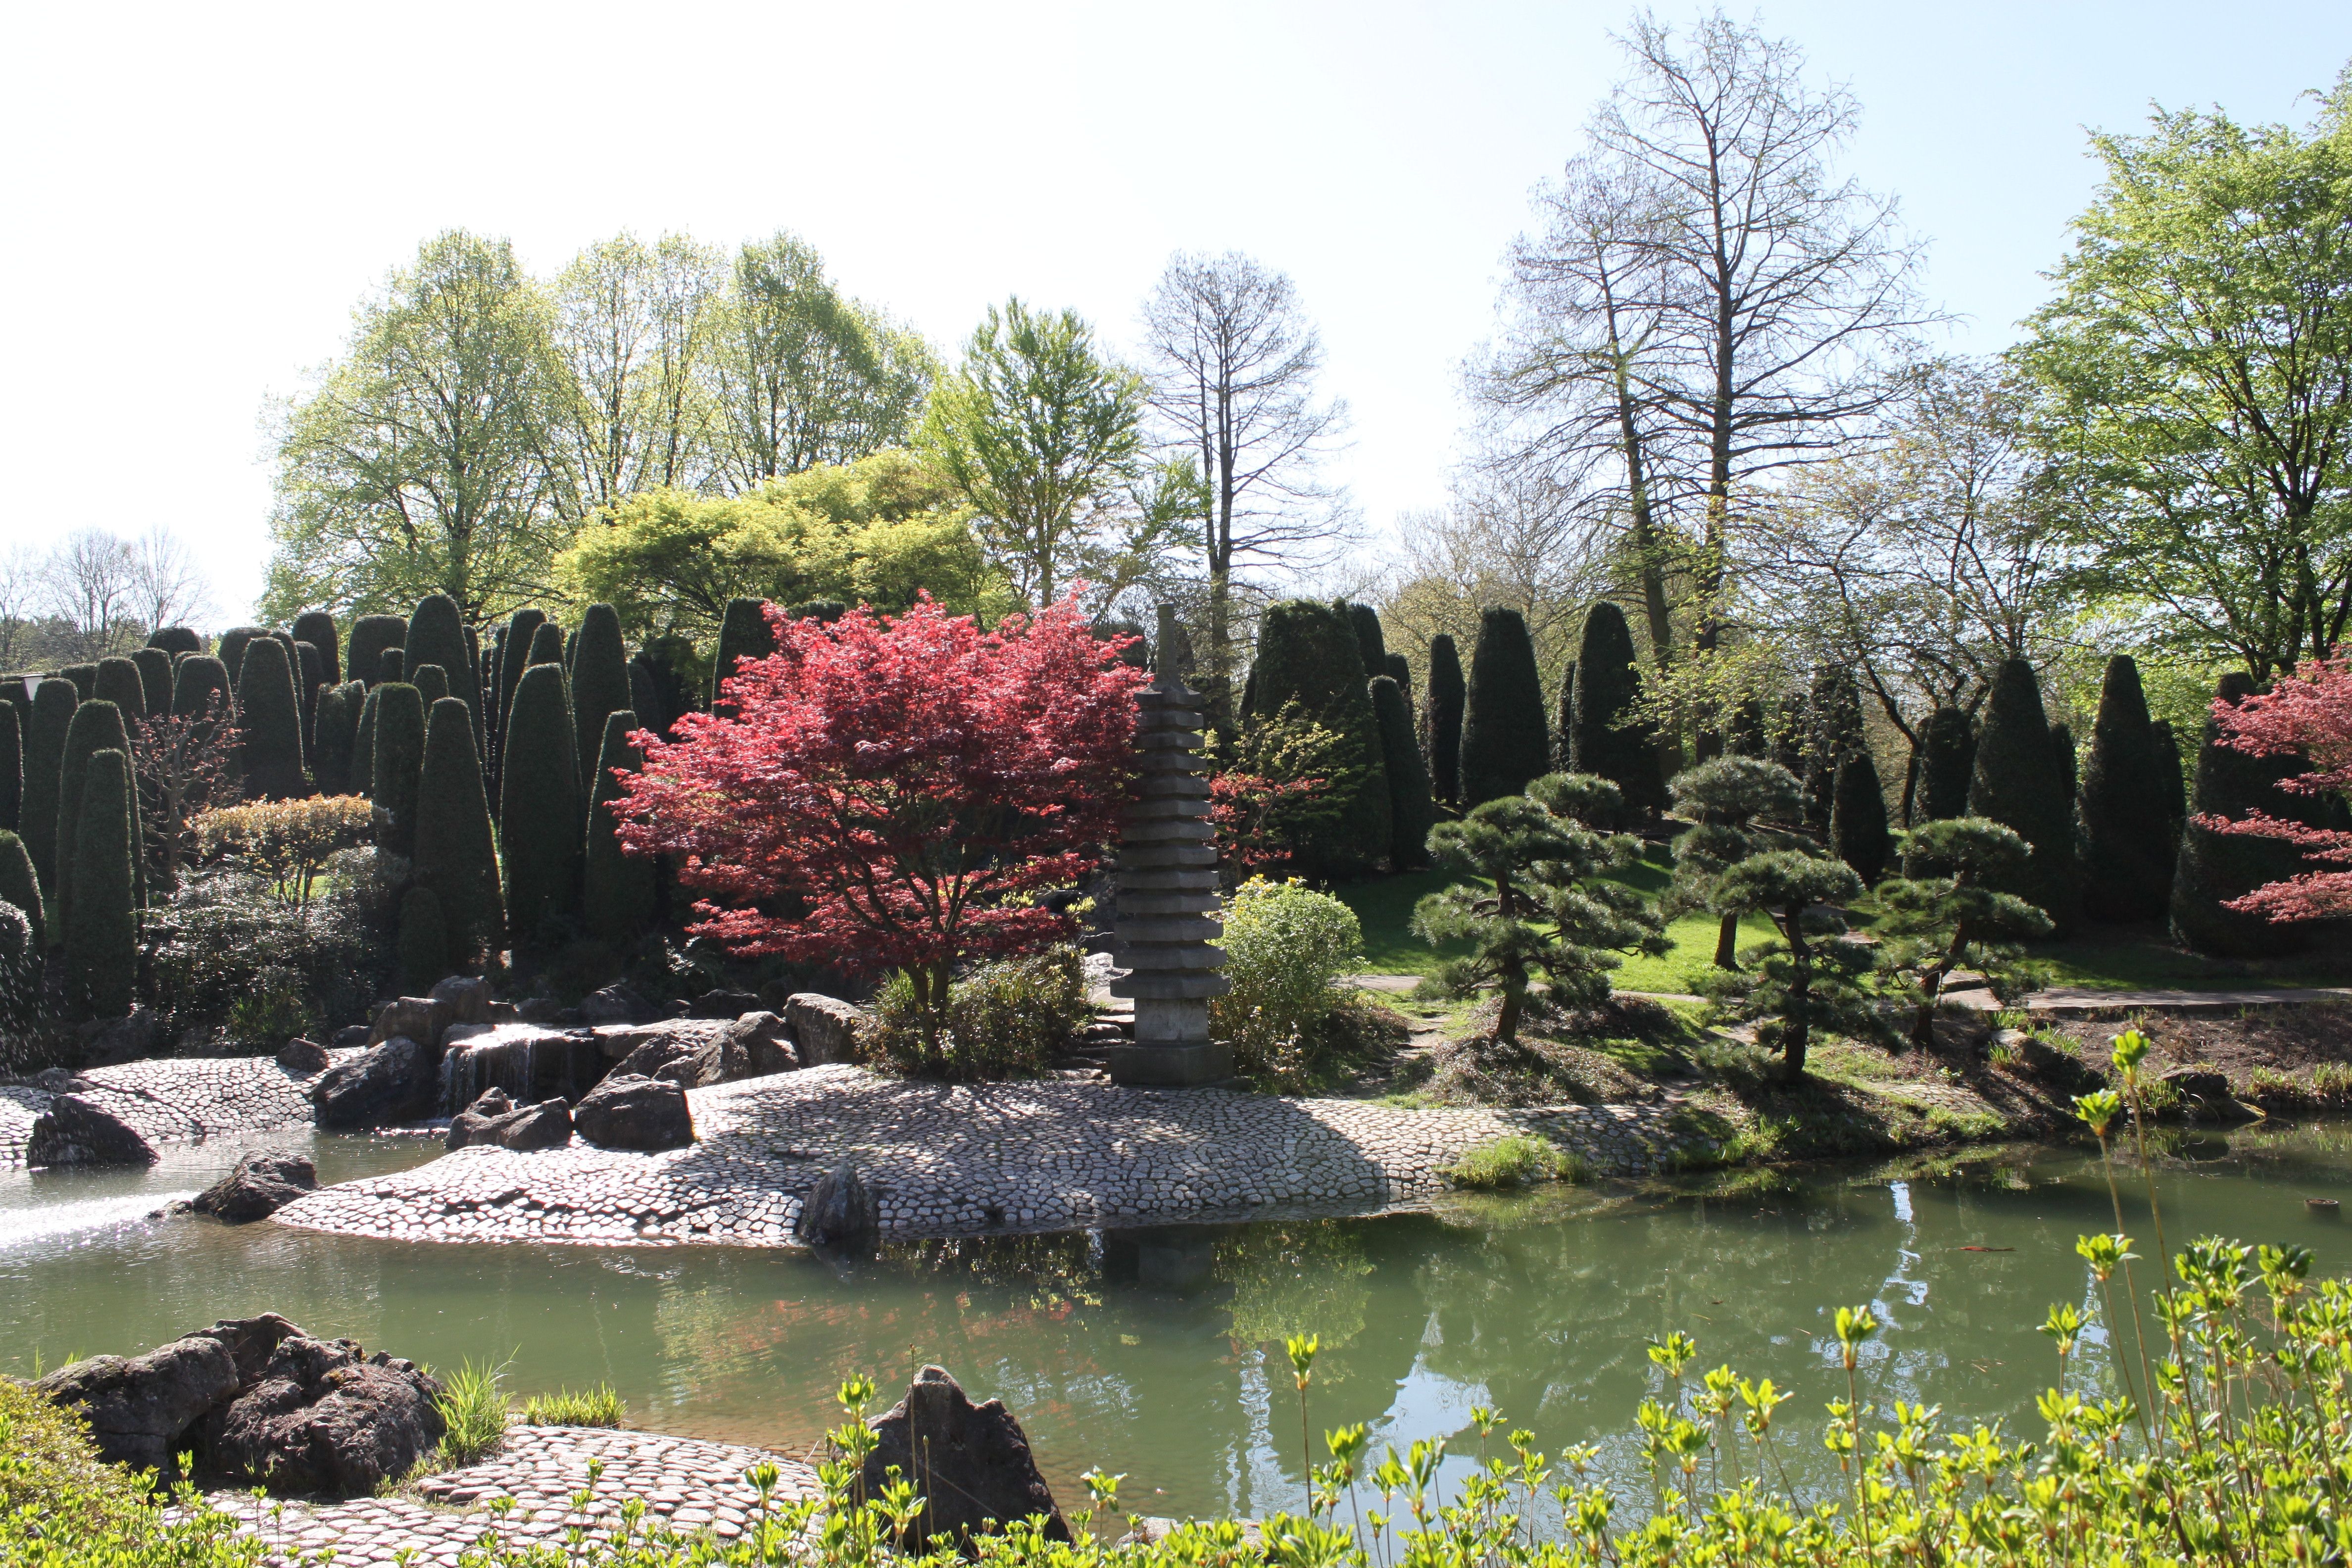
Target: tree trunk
(1801, 1000)
(1726, 943)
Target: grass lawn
(1383, 906)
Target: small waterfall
(530, 1064)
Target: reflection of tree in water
(1303, 1279)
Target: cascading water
(529, 1064)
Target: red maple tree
(901, 786)
(2308, 714)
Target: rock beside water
(303, 1057)
(387, 1083)
(326, 1416)
(258, 1186)
(78, 1131)
(840, 1213)
(498, 1120)
(972, 1463)
(139, 1407)
(628, 1112)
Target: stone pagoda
(1167, 872)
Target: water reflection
(1157, 1352)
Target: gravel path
(686, 1484)
(949, 1159)
(174, 1100)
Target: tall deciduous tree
(1233, 362)
(636, 325)
(2197, 366)
(423, 461)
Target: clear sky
(197, 196)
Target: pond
(1157, 1354)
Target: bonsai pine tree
(1307, 655)
(2018, 782)
(421, 949)
(1503, 741)
(1441, 720)
(371, 635)
(12, 769)
(600, 679)
(317, 627)
(1551, 907)
(1805, 981)
(1607, 734)
(436, 635)
(101, 933)
(270, 724)
(617, 887)
(456, 856)
(1931, 926)
(53, 702)
(1858, 819)
(1738, 804)
(19, 887)
(97, 727)
(2124, 813)
(154, 681)
(1367, 624)
(396, 763)
(540, 840)
(119, 683)
(1411, 812)
(743, 633)
(1947, 760)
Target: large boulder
(628, 1112)
(258, 1185)
(325, 1417)
(615, 1004)
(420, 1018)
(840, 1213)
(825, 1028)
(971, 1462)
(723, 1005)
(110, 1042)
(498, 1122)
(755, 1046)
(250, 1341)
(698, 1053)
(303, 1057)
(383, 1084)
(141, 1408)
(78, 1131)
(466, 996)
(2205, 1095)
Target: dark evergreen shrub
(1563, 728)
(1607, 736)
(546, 646)
(1505, 740)
(2019, 783)
(436, 635)
(12, 769)
(2062, 748)
(1307, 654)
(2123, 808)
(176, 640)
(332, 729)
(396, 762)
(371, 635)
(101, 932)
(432, 683)
(234, 643)
(196, 681)
(53, 702)
(656, 695)
(826, 611)
(599, 678)
(2214, 868)
(1833, 733)
(269, 724)
(743, 633)
(84, 678)
(309, 677)
(1441, 720)
(1411, 812)
(456, 856)
(362, 776)
(119, 683)
(424, 952)
(540, 840)
(1948, 760)
(391, 665)
(97, 727)
(616, 890)
(20, 885)
(1751, 732)
(2171, 780)
(1366, 620)
(514, 652)
(1399, 669)
(317, 627)
(1858, 819)
(154, 681)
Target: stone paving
(688, 1485)
(172, 1100)
(962, 1159)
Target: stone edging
(173, 1099)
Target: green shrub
(456, 855)
(234, 644)
(1005, 1020)
(1858, 819)
(1308, 656)
(1504, 740)
(1411, 811)
(616, 890)
(2019, 783)
(1947, 756)
(97, 727)
(1366, 621)
(1285, 945)
(176, 640)
(334, 728)
(225, 937)
(539, 838)
(597, 1406)
(514, 652)
(119, 683)
(19, 886)
(600, 680)
(269, 724)
(266, 1019)
(473, 1406)
(2125, 812)
(196, 681)
(436, 635)
(53, 702)
(1441, 719)
(101, 931)
(154, 681)
(1516, 1161)
(317, 627)
(1607, 735)
(432, 682)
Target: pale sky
(197, 196)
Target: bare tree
(23, 592)
(166, 587)
(91, 582)
(1234, 362)
(634, 324)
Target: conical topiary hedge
(12, 769)
(334, 725)
(154, 681)
(436, 635)
(97, 727)
(1412, 813)
(514, 652)
(371, 635)
(21, 886)
(2124, 807)
(1366, 621)
(421, 952)
(234, 643)
(599, 678)
(362, 770)
(2020, 783)
(1833, 733)
(540, 840)
(743, 633)
(1505, 741)
(1948, 760)
(197, 683)
(1399, 669)
(1563, 728)
(2171, 780)
(396, 762)
(269, 725)
(1607, 735)
(1441, 719)
(546, 646)
(176, 640)
(317, 627)
(119, 683)
(310, 677)
(1858, 832)
(1307, 654)
(456, 855)
(617, 890)
(432, 683)
(53, 702)
(101, 932)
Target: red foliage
(1247, 812)
(2308, 714)
(898, 783)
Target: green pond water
(1157, 1354)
